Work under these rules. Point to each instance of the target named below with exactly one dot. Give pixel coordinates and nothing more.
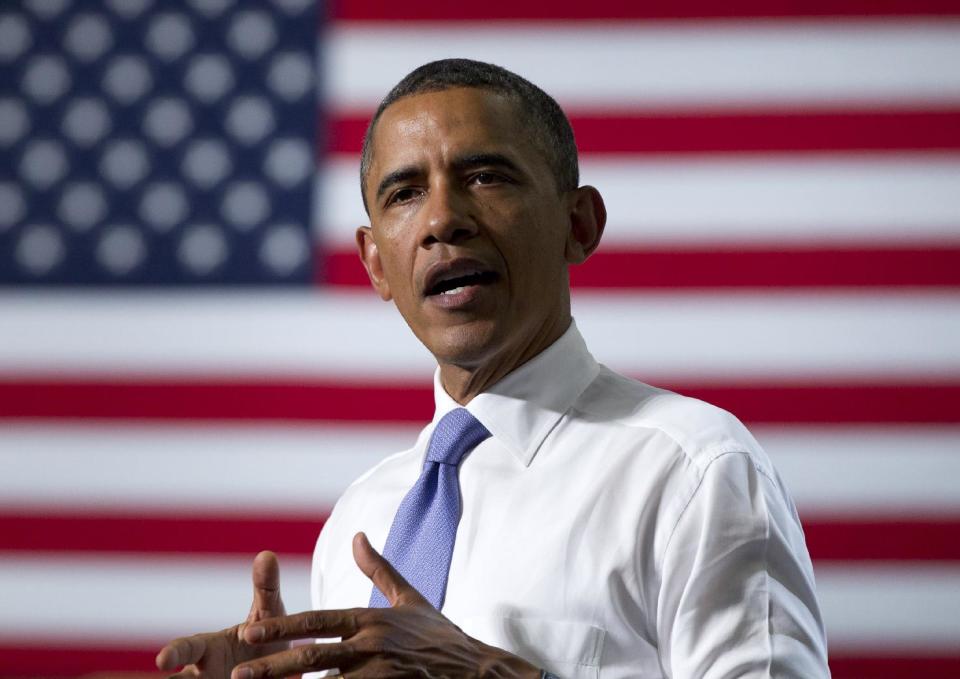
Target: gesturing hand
(214, 655)
(409, 639)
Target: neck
(462, 383)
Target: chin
(466, 344)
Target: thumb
(383, 574)
(266, 587)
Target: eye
(404, 195)
(484, 178)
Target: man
(607, 528)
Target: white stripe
(890, 608)
(770, 199)
(122, 599)
(354, 335)
(288, 469)
(880, 471)
(157, 598)
(302, 470)
(622, 64)
(816, 336)
(273, 334)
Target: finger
(266, 587)
(190, 672)
(297, 660)
(383, 574)
(179, 652)
(308, 625)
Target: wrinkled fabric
(609, 529)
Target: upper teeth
(451, 276)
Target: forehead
(450, 121)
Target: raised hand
(215, 654)
(409, 639)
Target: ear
(588, 216)
(370, 256)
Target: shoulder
(374, 493)
(368, 504)
(699, 431)
(392, 472)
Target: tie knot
(457, 433)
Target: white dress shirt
(609, 529)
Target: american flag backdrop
(192, 367)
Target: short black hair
(542, 113)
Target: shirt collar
(522, 408)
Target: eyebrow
(396, 177)
(480, 159)
(459, 165)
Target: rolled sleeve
(737, 597)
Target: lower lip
(467, 295)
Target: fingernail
(255, 634)
(244, 673)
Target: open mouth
(456, 283)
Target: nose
(446, 217)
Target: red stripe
(339, 267)
(726, 266)
(835, 404)
(157, 534)
(882, 666)
(916, 539)
(430, 10)
(213, 400)
(732, 132)
(193, 399)
(732, 267)
(933, 539)
(30, 658)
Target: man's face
(468, 230)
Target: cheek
(535, 247)
(396, 255)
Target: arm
(737, 596)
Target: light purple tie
(420, 543)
